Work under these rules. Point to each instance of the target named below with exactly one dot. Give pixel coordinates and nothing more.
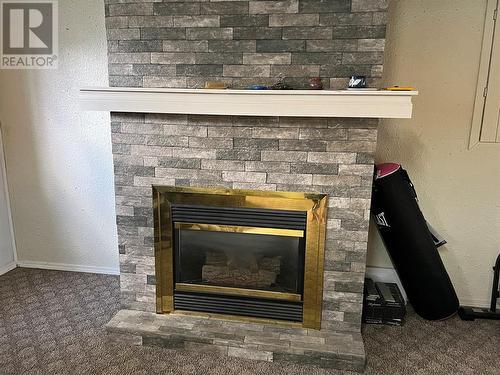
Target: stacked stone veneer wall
(185, 43)
(332, 156)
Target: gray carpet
(51, 323)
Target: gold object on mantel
(315, 205)
(215, 85)
(400, 88)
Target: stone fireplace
(317, 156)
(243, 221)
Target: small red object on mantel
(315, 83)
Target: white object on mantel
(307, 103)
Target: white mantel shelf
(298, 103)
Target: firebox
(240, 253)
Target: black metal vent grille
(253, 307)
(251, 217)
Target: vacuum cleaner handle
(471, 313)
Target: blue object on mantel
(256, 87)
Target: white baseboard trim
(389, 275)
(386, 275)
(8, 267)
(476, 303)
(69, 267)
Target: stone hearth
(265, 342)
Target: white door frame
(3, 171)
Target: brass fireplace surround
(314, 204)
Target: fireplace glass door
(239, 261)
(238, 257)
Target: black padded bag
(405, 234)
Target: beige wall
(59, 163)
(435, 46)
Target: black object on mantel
(408, 240)
(357, 82)
(472, 313)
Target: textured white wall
(59, 161)
(435, 45)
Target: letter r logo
(27, 27)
